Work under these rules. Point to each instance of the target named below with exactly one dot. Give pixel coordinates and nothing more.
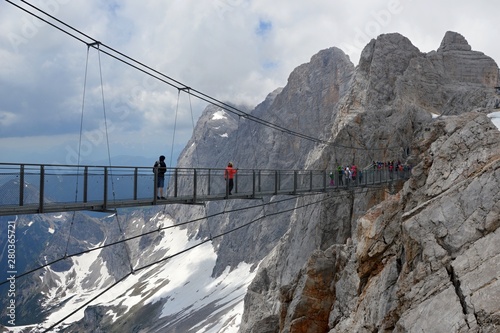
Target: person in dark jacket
(160, 168)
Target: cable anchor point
(94, 44)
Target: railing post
(85, 183)
(324, 180)
(276, 182)
(42, 189)
(253, 183)
(209, 170)
(294, 182)
(310, 181)
(279, 180)
(21, 185)
(258, 182)
(136, 172)
(105, 198)
(155, 181)
(195, 183)
(236, 182)
(176, 178)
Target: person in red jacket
(229, 176)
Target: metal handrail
(38, 188)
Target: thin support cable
(177, 84)
(175, 255)
(106, 125)
(237, 133)
(340, 194)
(263, 208)
(50, 329)
(194, 134)
(208, 220)
(105, 121)
(124, 239)
(122, 233)
(175, 125)
(79, 151)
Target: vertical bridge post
(42, 189)
(136, 171)
(294, 182)
(253, 183)
(105, 190)
(21, 185)
(276, 182)
(194, 185)
(85, 183)
(208, 189)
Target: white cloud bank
(234, 50)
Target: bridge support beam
(21, 185)
(85, 183)
(42, 188)
(195, 185)
(105, 198)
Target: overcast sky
(234, 50)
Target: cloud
(234, 50)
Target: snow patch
(181, 281)
(219, 115)
(225, 135)
(87, 277)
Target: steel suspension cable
(194, 135)
(122, 233)
(184, 251)
(175, 125)
(179, 85)
(149, 233)
(79, 149)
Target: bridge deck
(38, 188)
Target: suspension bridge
(44, 188)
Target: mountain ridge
(357, 252)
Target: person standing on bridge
(160, 168)
(229, 177)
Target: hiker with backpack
(159, 169)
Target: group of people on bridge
(160, 168)
(345, 175)
(341, 176)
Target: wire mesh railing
(39, 188)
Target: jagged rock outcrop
(411, 262)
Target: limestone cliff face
(416, 253)
(307, 104)
(422, 256)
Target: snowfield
(183, 283)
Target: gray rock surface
(422, 259)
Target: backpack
(155, 166)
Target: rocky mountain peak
(453, 41)
(365, 259)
